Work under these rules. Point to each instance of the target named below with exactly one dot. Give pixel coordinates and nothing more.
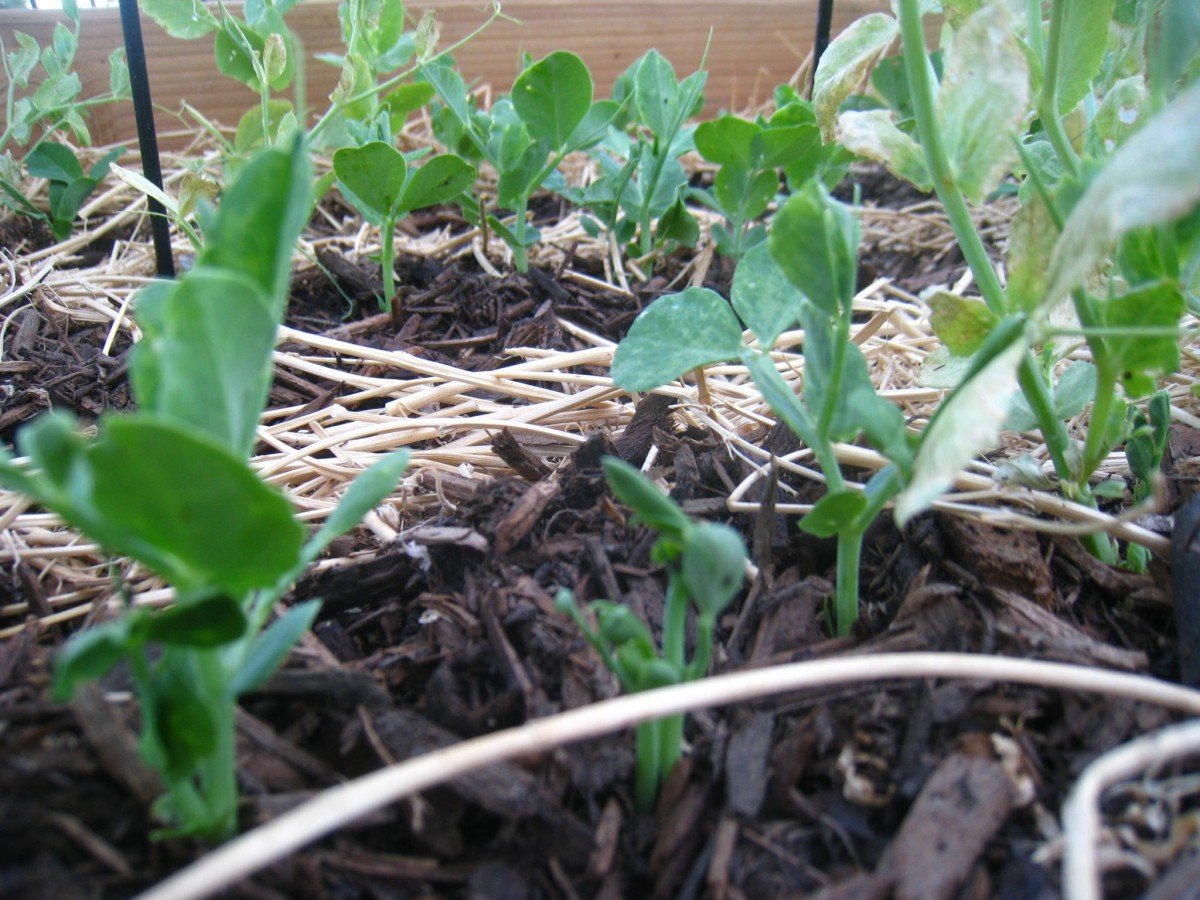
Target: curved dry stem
(1081, 812)
(341, 805)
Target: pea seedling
(807, 272)
(378, 181)
(642, 187)
(962, 136)
(749, 154)
(69, 186)
(549, 114)
(52, 106)
(705, 563)
(171, 487)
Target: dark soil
(930, 789)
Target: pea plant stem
(1048, 99)
(218, 772)
(386, 263)
(849, 558)
(1030, 379)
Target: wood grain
(755, 45)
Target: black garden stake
(139, 84)
(821, 39)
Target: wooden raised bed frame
(755, 46)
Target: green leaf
(185, 725)
(967, 423)
(249, 134)
(961, 324)
(652, 506)
(677, 224)
(364, 494)
(260, 218)
(673, 335)
(713, 566)
(181, 19)
(763, 297)
(175, 500)
(519, 180)
(1142, 359)
(205, 360)
(57, 91)
(1152, 178)
(553, 96)
(657, 96)
(1084, 43)
(845, 63)
(22, 60)
(53, 161)
(594, 126)
(89, 654)
(1073, 391)
(982, 102)
(834, 513)
(1030, 243)
(814, 239)
(372, 177)
(270, 649)
(744, 195)
(728, 140)
(439, 180)
(208, 622)
(779, 396)
(873, 134)
(406, 100)
(781, 144)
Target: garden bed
(439, 624)
(897, 770)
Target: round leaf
(552, 97)
(372, 177)
(763, 296)
(441, 179)
(674, 335)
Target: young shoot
(378, 181)
(549, 113)
(1097, 227)
(171, 487)
(705, 565)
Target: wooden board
(755, 45)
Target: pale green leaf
(1119, 116)
(181, 19)
(1030, 243)
(846, 62)
(982, 101)
(1084, 43)
(1152, 178)
(763, 296)
(873, 135)
(967, 424)
(674, 335)
(205, 360)
(960, 323)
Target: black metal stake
(139, 84)
(821, 39)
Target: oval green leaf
(552, 97)
(674, 335)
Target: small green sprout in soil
(705, 564)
